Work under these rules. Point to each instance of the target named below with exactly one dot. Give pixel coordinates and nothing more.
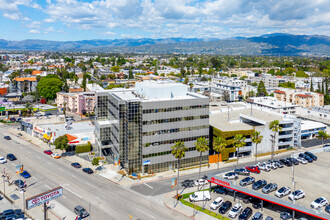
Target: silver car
(270, 187)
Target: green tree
(115, 69)
(191, 85)
(84, 82)
(201, 146)
(179, 152)
(275, 127)
(219, 145)
(239, 141)
(261, 89)
(186, 80)
(311, 86)
(62, 142)
(322, 135)
(130, 73)
(49, 85)
(95, 161)
(256, 139)
(29, 108)
(301, 73)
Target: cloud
(34, 32)
(110, 33)
(10, 10)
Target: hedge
(83, 148)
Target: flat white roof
(307, 125)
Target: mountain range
(268, 44)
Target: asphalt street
(107, 200)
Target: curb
(191, 217)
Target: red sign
(219, 182)
(44, 197)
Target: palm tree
(239, 141)
(29, 108)
(256, 139)
(275, 127)
(322, 135)
(219, 145)
(201, 146)
(179, 152)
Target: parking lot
(313, 178)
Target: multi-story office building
(141, 125)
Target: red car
(253, 169)
(48, 152)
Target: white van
(200, 196)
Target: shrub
(61, 142)
(95, 161)
(83, 148)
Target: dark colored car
(19, 119)
(11, 157)
(294, 161)
(279, 163)
(269, 218)
(285, 215)
(8, 138)
(20, 183)
(257, 203)
(8, 212)
(247, 181)
(247, 199)
(242, 171)
(257, 216)
(286, 162)
(48, 152)
(311, 155)
(25, 174)
(80, 211)
(225, 207)
(76, 165)
(259, 184)
(220, 190)
(253, 169)
(327, 208)
(306, 157)
(12, 119)
(88, 170)
(247, 212)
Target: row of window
(174, 130)
(173, 141)
(148, 111)
(165, 153)
(168, 120)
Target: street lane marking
(73, 176)
(145, 213)
(60, 169)
(29, 152)
(49, 163)
(48, 186)
(38, 157)
(71, 191)
(148, 186)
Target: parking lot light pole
(4, 185)
(294, 189)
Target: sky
(65, 20)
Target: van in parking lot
(200, 196)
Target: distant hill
(268, 44)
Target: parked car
(285, 215)
(264, 167)
(302, 160)
(283, 191)
(269, 218)
(286, 162)
(225, 207)
(80, 211)
(311, 155)
(257, 203)
(246, 213)
(25, 174)
(48, 152)
(235, 211)
(259, 184)
(56, 156)
(270, 187)
(200, 182)
(8, 138)
(216, 203)
(20, 183)
(76, 165)
(11, 157)
(199, 196)
(247, 181)
(253, 169)
(257, 216)
(3, 160)
(242, 171)
(12, 119)
(319, 203)
(247, 199)
(306, 157)
(230, 176)
(298, 194)
(272, 164)
(327, 208)
(279, 163)
(293, 160)
(87, 170)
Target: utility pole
(45, 211)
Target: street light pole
(89, 210)
(294, 189)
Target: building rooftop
(270, 102)
(306, 125)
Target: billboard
(44, 197)
(19, 169)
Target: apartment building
(139, 126)
(229, 88)
(79, 103)
(272, 104)
(299, 97)
(23, 84)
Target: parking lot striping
(71, 191)
(145, 213)
(49, 163)
(148, 185)
(38, 157)
(48, 186)
(60, 169)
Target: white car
(200, 182)
(319, 203)
(217, 203)
(3, 160)
(302, 160)
(298, 194)
(230, 176)
(283, 191)
(235, 211)
(264, 167)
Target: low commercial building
(141, 125)
(310, 129)
(319, 114)
(273, 104)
